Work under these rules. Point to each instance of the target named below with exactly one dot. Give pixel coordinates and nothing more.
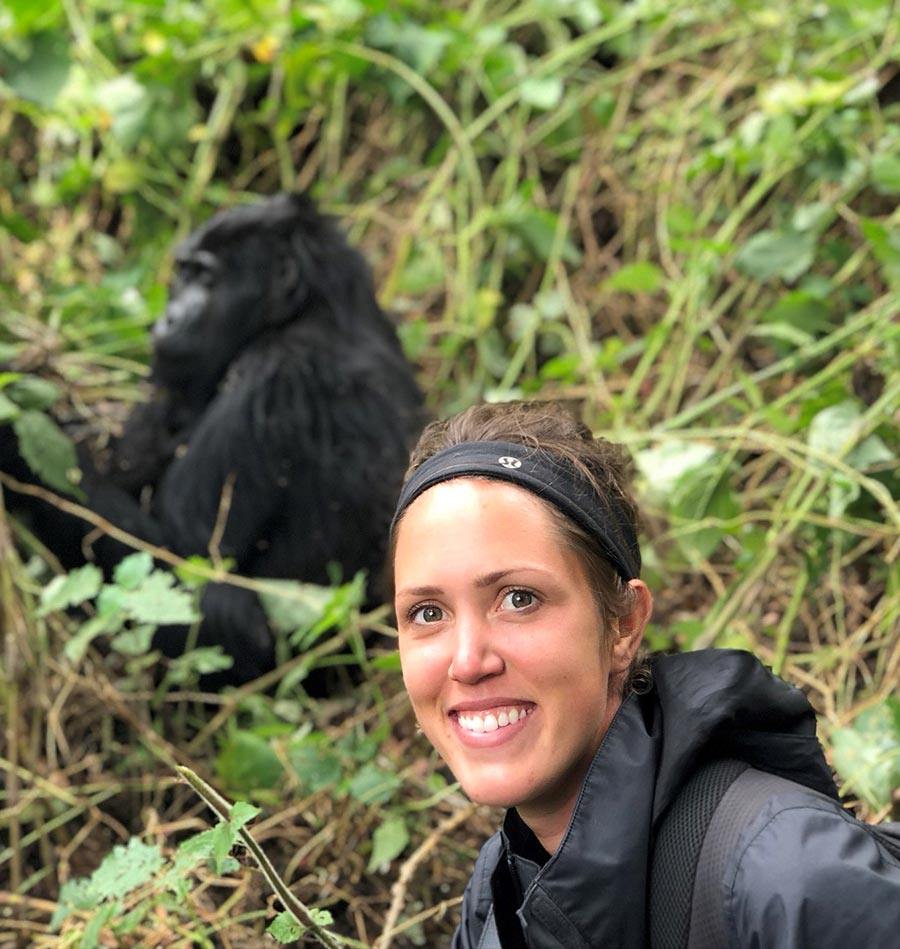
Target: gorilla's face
(220, 297)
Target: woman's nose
(474, 654)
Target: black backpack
(695, 838)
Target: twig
(222, 807)
(398, 890)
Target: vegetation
(680, 217)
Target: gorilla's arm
(253, 438)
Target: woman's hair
(550, 428)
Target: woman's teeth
(491, 721)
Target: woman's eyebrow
(485, 580)
(419, 591)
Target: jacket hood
(710, 703)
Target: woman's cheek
(424, 667)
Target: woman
(520, 614)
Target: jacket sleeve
(477, 899)
(808, 876)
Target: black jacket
(804, 875)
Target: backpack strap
(740, 803)
(676, 851)
(696, 838)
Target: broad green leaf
(19, 226)
(885, 243)
(886, 174)
(73, 894)
(388, 842)
(246, 762)
(200, 661)
(700, 494)
(301, 606)
(134, 642)
(71, 589)
(782, 254)
(47, 451)
(373, 785)
(40, 75)
(314, 761)
(127, 103)
(542, 93)
(77, 645)
(125, 869)
(800, 309)
(833, 429)
(157, 600)
(33, 392)
(8, 409)
(639, 277)
(241, 813)
(131, 571)
(664, 465)
(284, 928)
(867, 753)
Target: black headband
(549, 477)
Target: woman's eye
(427, 614)
(518, 600)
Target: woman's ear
(631, 627)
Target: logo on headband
(509, 462)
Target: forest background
(680, 217)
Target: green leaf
(800, 309)
(867, 753)
(128, 104)
(125, 869)
(784, 254)
(19, 226)
(639, 277)
(47, 451)
(8, 409)
(200, 661)
(74, 894)
(246, 762)
(77, 645)
(885, 243)
(33, 392)
(373, 785)
(285, 928)
(133, 569)
(134, 642)
(544, 93)
(40, 75)
(836, 427)
(71, 589)
(886, 174)
(157, 600)
(388, 842)
(314, 761)
(664, 465)
(241, 813)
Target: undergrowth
(681, 218)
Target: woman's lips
(492, 725)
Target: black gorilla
(280, 385)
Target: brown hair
(547, 426)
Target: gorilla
(279, 424)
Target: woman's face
(501, 644)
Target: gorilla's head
(250, 269)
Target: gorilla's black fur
(277, 378)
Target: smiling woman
(520, 614)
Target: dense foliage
(680, 217)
